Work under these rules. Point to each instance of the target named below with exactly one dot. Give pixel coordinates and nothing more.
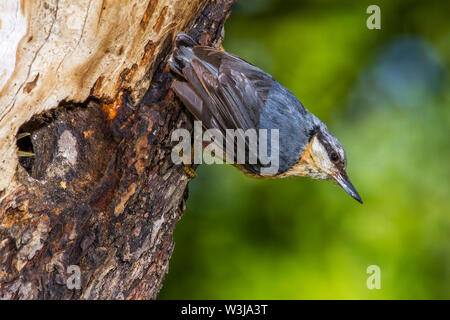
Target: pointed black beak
(345, 183)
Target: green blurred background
(385, 94)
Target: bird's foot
(187, 164)
(189, 171)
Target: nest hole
(25, 145)
(24, 139)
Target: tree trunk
(88, 79)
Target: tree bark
(89, 81)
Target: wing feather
(233, 93)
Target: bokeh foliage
(385, 94)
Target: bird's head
(330, 160)
(324, 158)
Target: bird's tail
(182, 55)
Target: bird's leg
(187, 164)
(189, 171)
(24, 153)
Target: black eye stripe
(325, 143)
(339, 162)
(313, 132)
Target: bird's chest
(305, 167)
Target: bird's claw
(187, 164)
(189, 171)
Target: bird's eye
(334, 156)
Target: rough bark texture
(101, 192)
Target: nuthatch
(225, 92)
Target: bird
(225, 92)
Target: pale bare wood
(61, 48)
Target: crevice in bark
(39, 121)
